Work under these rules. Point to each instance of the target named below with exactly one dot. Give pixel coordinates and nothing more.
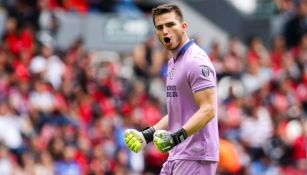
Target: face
(170, 31)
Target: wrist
(148, 134)
(179, 136)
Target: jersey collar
(179, 52)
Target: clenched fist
(134, 140)
(165, 141)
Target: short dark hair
(166, 8)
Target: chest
(176, 81)
(176, 74)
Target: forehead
(166, 18)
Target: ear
(184, 25)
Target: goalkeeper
(189, 133)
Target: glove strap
(148, 134)
(179, 136)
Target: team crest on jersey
(171, 74)
(206, 71)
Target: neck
(180, 51)
(184, 40)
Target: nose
(165, 31)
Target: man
(192, 136)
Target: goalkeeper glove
(165, 141)
(136, 140)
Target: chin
(170, 48)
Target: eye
(159, 27)
(171, 24)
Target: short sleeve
(200, 74)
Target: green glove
(165, 141)
(136, 140)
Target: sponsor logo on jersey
(171, 74)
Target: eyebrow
(166, 24)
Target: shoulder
(198, 57)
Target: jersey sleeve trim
(201, 87)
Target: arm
(136, 140)
(162, 124)
(205, 99)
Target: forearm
(199, 120)
(162, 124)
(165, 141)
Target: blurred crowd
(63, 112)
(263, 98)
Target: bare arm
(205, 99)
(162, 124)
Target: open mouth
(167, 40)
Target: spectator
(10, 126)
(67, 166)
(44, 164)
(229, 159)
(48, 66)
(6, 167)
(296, 26)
